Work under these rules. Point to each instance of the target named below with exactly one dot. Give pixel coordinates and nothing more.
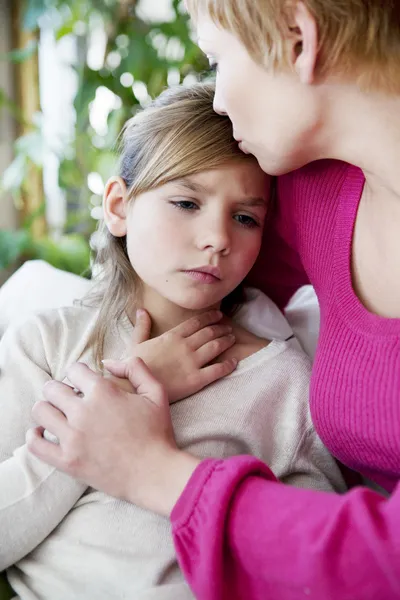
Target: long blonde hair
(178, 134)
(357, 38)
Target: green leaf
(76, 251)
(14, 175)
(64, 30)
(11, 106)
(69, 174)
(70, 253)
(21, 54)
(13, 244)
(34, 10)
(31, 146)
(36, 214)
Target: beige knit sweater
(60, 540)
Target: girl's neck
(364, 130)
(166, 315)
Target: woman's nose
(218, 104)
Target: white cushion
(38, 286)
(303, 314)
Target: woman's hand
(113, 440)
(179, 358)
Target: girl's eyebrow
(253, 202)
(198, 188)
(191, 185)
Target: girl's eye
(246, 221)
(187, 205)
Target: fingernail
(218, 314)
(108, 361)
(139, 313)
(234, 361)
(231, 336)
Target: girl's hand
(113, 440)
(179, 358)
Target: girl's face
(193, 240)
(276, 116)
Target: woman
(301, 82)
(187, 195)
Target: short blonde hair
(357, 38)
(177, 135)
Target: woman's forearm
(240, 534)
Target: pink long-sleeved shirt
(241, 534)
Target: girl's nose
(215, 238)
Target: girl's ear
(115, 206)
(304, 42)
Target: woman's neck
(364, 130)
(166, 315)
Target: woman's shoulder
(316, 182)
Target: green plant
(152, 54)
(69, 252)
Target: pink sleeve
(279, 271)
(241, 534)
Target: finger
(142, 329)
(194, 324)
(207, 334)
(82, 377)
(212, 349)
(145, 383)
(47, 451)
(50, 418)
(59, 394)
(118, 368)
(122, 383)
(216, 371)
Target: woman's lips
(242, 147)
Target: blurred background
(71, 73)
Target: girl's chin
(198, 304)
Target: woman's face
(274, 115)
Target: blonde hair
(357, 38)
(177, 135)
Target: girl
(301, 81)
(184, 224)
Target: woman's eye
(185, 205)
(246, 221)
(213, 67)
